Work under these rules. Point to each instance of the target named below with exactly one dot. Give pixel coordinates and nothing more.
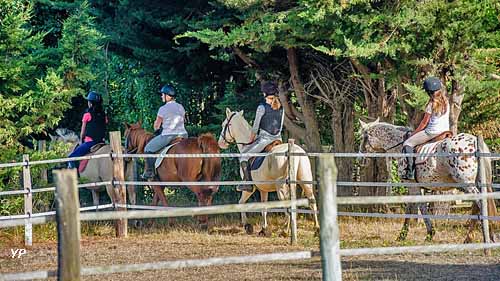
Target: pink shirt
(86, 118)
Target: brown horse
(190, 169)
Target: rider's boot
(149, 168)
(410, 160)
(246, 177)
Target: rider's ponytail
(275, 104)
(439, 103)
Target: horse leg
(424, 210)
(309, 193)
(476, 210)
(410, 209)
(263, 198)
(283, 194)
(244, 197)
(95, 197)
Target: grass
(184, 240)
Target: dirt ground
(99, 247)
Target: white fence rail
(329, 234)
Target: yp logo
(18, 253)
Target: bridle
(127, 141)
(227, 128)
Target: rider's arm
(256, 123)
(423, 123)
(86, 118)
(158, 122)
(82, 132)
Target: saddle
(424, 148)
(440, 137)
(93, 149)
(254, 163)
(165, 150)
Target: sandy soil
(99, 247)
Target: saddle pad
(426, 148)
(162, 153)
(257, 162)
(82, 165)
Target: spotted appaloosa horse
(383, 137)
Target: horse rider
(170, 121)
(435, 121)
(93, 128)
(267, 127)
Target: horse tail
(483, 148)
(211, 166)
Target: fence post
(329, 230)
(482, 181)
(119, 175)
(292, 176)
(68, 225)
(28, 201)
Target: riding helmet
(269, 88)
(432, 84)
(93, 96)
(168, 90)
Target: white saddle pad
(162, 153)
(426, 148)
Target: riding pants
(159, 142)
(419, 138)
(80, 150)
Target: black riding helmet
(432, 84)
(93, 97)
(168, 90)
(269, 88)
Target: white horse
(98, 170)
(384, 137)
(237, 130)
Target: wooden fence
(69, 267)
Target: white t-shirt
(437, 123)
(173, 118)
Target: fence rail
(330, 249)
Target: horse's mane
(139, 136)
(385, 124)
(66, 135)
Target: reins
(228, 130)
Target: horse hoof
(249, 228)
(284, 234)
(264, 233)
(428, 238)
(138, 224)
(401, 238)
(204, 226)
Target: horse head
(379, 137)
(235, 129)
(136, 138)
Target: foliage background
(216, 53)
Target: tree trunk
(380, 104)
(313, 140)
(342, 124)
(456, 98)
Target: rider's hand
(252, 137)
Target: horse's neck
(243, 134)
(394, 139)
